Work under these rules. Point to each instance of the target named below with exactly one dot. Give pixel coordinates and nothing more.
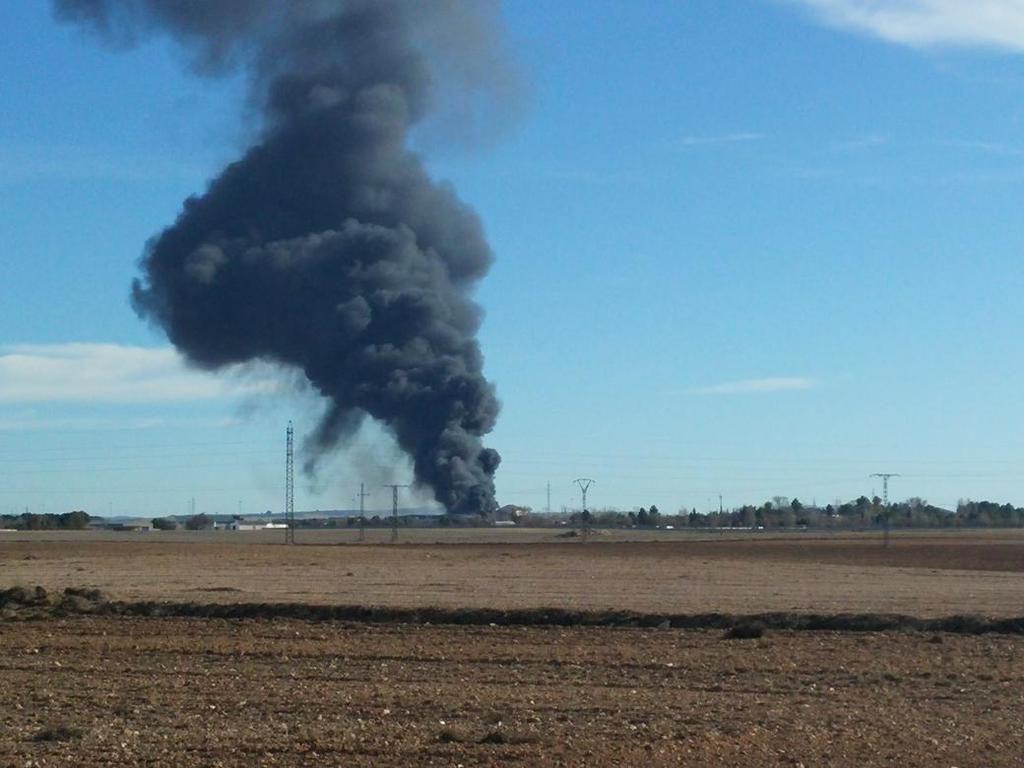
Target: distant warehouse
(240, 524)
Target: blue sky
(753, 248)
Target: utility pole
(584, 483)
(547, 509)
(394, 510)
(721, 509)
(362, 512)
(885, 500)
(289, 485)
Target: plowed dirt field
(178, 692)
(141, 689)
(919, 575)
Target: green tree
(77, 520)
(862, 507)
(199, 522)
(32, 522)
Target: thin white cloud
(583, 177)
(748, 386)
(34, 421)
(112, 373)
(987, 147)
(925, 23)
(860, 143)
(725, 138)
(23, 163)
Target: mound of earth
(21, 602)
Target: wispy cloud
(987, 147)
(924, 23)
(860, 143)
(111, 373)
(34, 421)
(749, 386)
(21, 163)
(583, 177)
(725, 138)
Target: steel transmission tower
(584, 483)
(394, 510)
(885, 484)
(289, 485)
(362, 512)
(885, 500)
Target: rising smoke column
(326, 246)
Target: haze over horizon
(750, 249)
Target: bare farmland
(124, 690)
(920, 575)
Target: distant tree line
(989, 514)
(784, 513)
(67, 521)
(200, 522)
(778, 513)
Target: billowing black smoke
(326, 246)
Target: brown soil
(924, 575)
(402, 689)
(182, 692)
(23, 604)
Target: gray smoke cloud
(326, 246)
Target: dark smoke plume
(326, 246)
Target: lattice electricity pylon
(885, 501)
(394, 510)
(362, 512)
(885, 484)
(289, 485)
